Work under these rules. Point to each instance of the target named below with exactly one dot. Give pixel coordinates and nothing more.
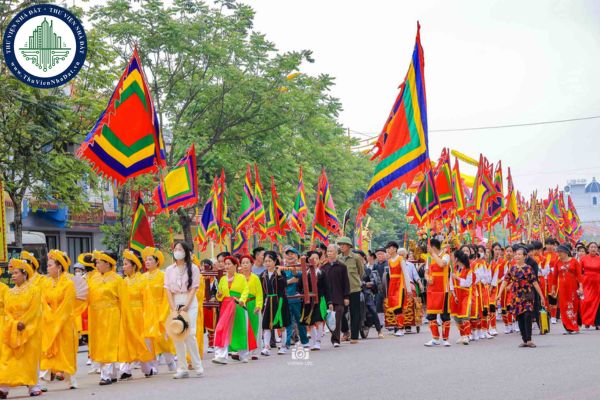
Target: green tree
(223, 86)
(39, 129)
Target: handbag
(544, 323)
(330, 320)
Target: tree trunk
(186, 226)
(18, 223)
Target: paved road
(561, 367)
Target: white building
(586, 199)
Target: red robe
(591, 289)
(498, 267)
(437, 290)
(568, 300)
(460, 306)
(396, 288)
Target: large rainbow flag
(180, 186)
(402, 146)
(126, 140)
(300, 210)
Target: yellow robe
(105, 295)
(255, 290)
(200, 321)
(239, 284)
(39, 280)
(132, 346)
(21, 350)
(156, 311)
(3, 290)
(59, 342)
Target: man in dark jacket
(338, 290)
(381, 267)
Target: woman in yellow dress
(132, 345)
(232, 329)
(59, 342)
(156, 310)
(106, 293)
(21, 335)
(37, 278)
(82, 308)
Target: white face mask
(179, 255)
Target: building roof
(593, 187)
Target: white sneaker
(553, 321)
(460, 339)
(219, 360)
(493, 332)
(507, 329)
(88, 362)
(482, 335)
(336, 345)
(172, 366)
(181, 375)
(210, 350)
(306, 346)
(465, 340)
(94, 371)
(200, 372)
(73, 383)
(488, 336)
(516, 328)
(316, 346)
(399, 332)
(446, 343)
(282, 350)
(432, 342)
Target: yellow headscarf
(154, 252)
(131, 256)
(27, 256)
(22, 265)
(100, 255)
(87, 260)
(61, 257)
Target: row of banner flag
(441, 193)
(126, 142)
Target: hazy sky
(486, 63)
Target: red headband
(248, 256)
(233, 260)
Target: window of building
(77, 245)
(594, 201)
(52, 241)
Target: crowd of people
(249, 305)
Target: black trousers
(354, 315)
(372, 315)
(524, 321)
(339, 316)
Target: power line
(557, 121)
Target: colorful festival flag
(512, 206)
(276, 218)
(402, 146)
(260, 218)
(300, 210)
(141, 232)
(483, 191)
(496, 207)
(126, 140)
(180, 186)
(426, 205)
(246, 218)
(457, 186)
(325, 220)
(443, 183)
(224, 218)
(240, 245)
(208, 227)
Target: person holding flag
(396, 287)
